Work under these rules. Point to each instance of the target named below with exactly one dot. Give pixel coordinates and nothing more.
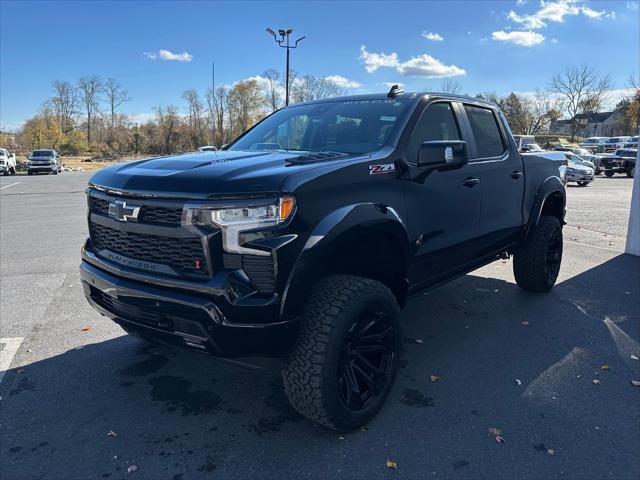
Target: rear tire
(13, 170)
(631, 171)
(537, 263)
(609, 173)
(344, 362)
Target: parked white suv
(7, 162)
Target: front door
(443, 205)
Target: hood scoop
(316, 157)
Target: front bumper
(579, 177)
(41, 168)
(191, 321)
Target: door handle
(516, 174)
(471, 182)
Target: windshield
(42, 153)
(613, 140)
(350, 126)
(592, 140)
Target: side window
(486, 131)
(437, 122)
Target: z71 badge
(386, 168)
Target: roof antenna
(395, 91)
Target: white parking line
(8, 349)
(10, 185)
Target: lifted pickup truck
(622, 161)
(306, 236)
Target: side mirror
(440, 153)
(224, 146)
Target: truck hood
(203, 174)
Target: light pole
(284, 35)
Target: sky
(158, 49)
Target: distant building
(601, 124)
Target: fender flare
(550, 187)
(337, 229)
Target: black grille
(184, 255)
(260, 270)
(148, 213)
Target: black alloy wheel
(366, 360)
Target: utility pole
(284, 35)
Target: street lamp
(284, 35)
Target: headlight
(234, 220)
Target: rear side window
(437, 122)
(486, 131)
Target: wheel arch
(551, 200)
(368, 240)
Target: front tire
(631, 171)
(537, 263)
(609, 173)
(344, 362)
(583, 184)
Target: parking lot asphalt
(83, 400)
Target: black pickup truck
(306, 236)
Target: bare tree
(274, 94)
(195, 115)
(450, 85)
(168, 120)
(310, 88)
(90, 89)
(116, 96)
(542, 109)
(65, 104)
(582, 90)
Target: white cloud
(632, 5)
(421, 66)
(556, 11)
(373, 61)
(434, 37)
(343, 82)
(169, 56)
(522, 38)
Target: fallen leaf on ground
(112, 434)
(499, 439)
(494, 431)
(595, 381)
(434, 378)
(551, 451)
(518, 381)
(524, 324)
(85, 329)
(633, 357)
(132, 468)
(605, 367)
(391, 464)
(635, 383)
(418, 340)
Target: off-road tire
(310, 373)
(609, 173)
(631, 171)
(531, 266)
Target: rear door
(501, 173)
(443, 205)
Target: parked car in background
(622, 161)
(7, 162)
(532, 147)
(578, 170)
(631, 143)
(594, 144)
(583, 153)
(44, 160)
(207, 148)
(614, 143)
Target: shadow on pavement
(181, 416)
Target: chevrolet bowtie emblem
(123, 212)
